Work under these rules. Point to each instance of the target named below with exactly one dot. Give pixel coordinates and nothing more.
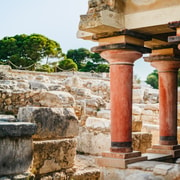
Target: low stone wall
(54, 141)
(10, 101)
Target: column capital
(164, 63)
(124, 57)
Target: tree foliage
(102, 68)
(25, 50)
(78, 55)
(87, 61)
(67, 64)
(45, 68)
(96, 58)
(152, 79)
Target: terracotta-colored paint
(121, 76)
(167, 100)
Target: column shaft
(121, 77)
(168, 107)
(121, 106)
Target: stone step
(118, 163)
(158, 157)
(174, 153)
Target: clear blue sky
(56, 19)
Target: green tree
(67, 64)
(78, 56)
(152, 79)
(96, 58)
(45, 68)
(102, 68)
(89, 66)
(25, 50)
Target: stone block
(89, 174)
(141, 141)
(92, 142)
(152, 129)
(98, 124)
(103, 21)
(136, 126)
(15, 147)
(17, 129)
(52, 123)
(104, 114)
(53, 155)
(7, 118)
(95, 142)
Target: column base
(168, 140)
(121, 150)
(173, 150)
(119, 160)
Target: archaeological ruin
(89, 126)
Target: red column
(167, 100)
(121, 77)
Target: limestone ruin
(57, 126)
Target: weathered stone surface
(54, 155)
(152, 129)
(35, 85)
(142, 176)
(104, 114)
(141, 141)
(52, 123)
(145, 166)
(53, 99)
(95, 141)
(17, 129)
(136, 126)
(103, 21)
(103, 16)
(85, 168)
(92, 142)
(7, 118)
(24, 176)
(98, 124)
(15, 155)
(91, 173)
(74, 81)
(162, 169)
